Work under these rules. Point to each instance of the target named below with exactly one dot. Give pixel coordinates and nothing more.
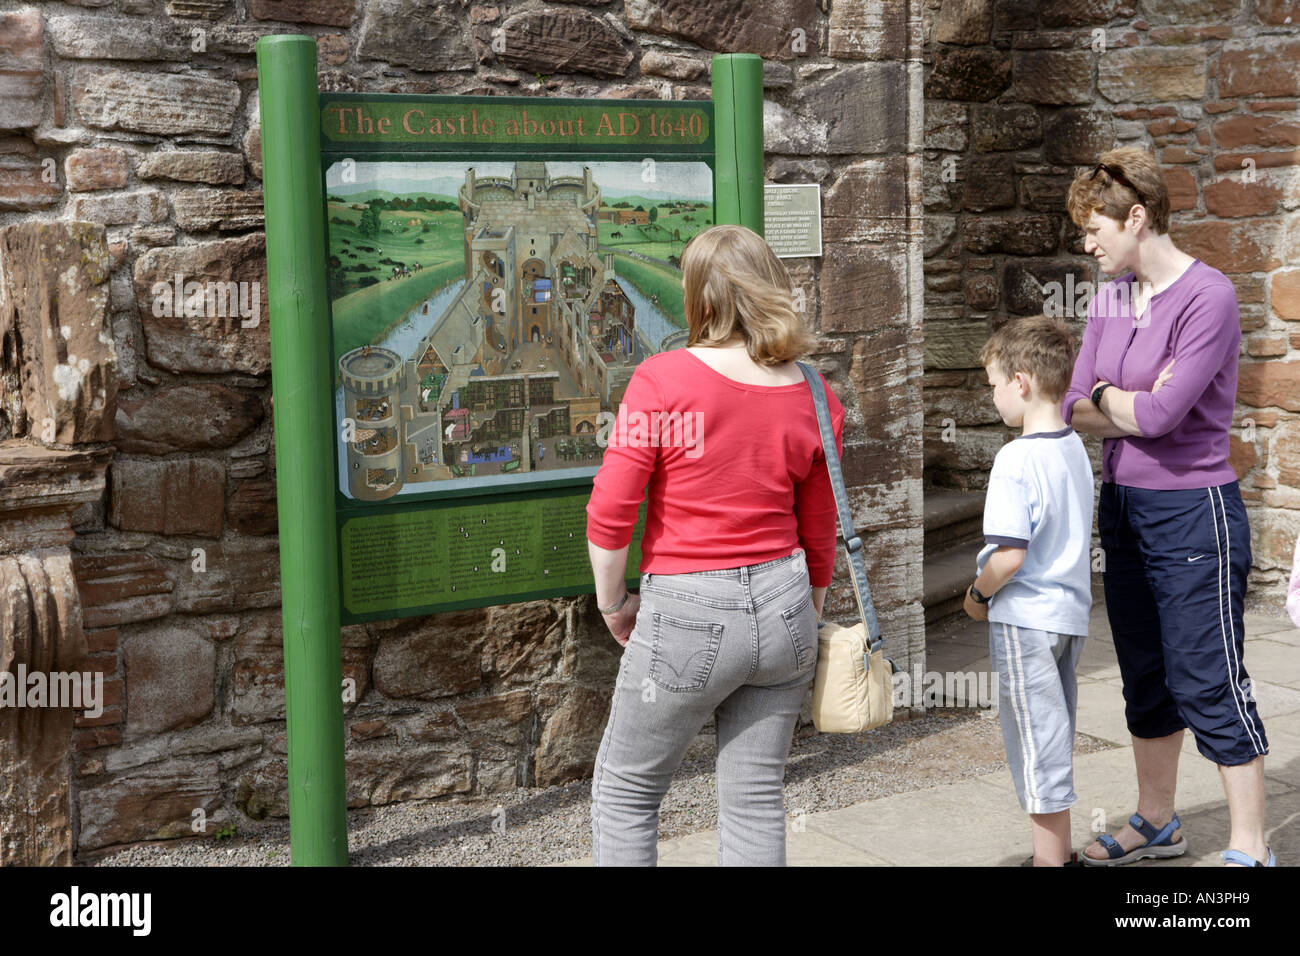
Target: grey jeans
(739, 643)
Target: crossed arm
(1205, 337)
(1115, 417)
(1091, 420)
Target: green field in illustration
(364, 316)
(399, 237)
(427, 242)
(431, 239)
(674, 223)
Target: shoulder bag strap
(852, 543)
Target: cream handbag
(853, 690)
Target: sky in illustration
(663, 180)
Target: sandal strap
(1236, 856)
(1112, 846)
(1139, 824)
(1154, 837)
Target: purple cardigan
(1184, 441)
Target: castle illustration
(513, 372)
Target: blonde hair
(736, 284)
(1041, 347)
(1097, 189)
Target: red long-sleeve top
(735, 472)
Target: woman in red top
(736, 557)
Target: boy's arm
(1293, 591)
(1009, 507)
(999, 569)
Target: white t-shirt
(1040, 499)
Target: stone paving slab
(978, 822)
(804, 847)
(1273, 661)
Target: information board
(497, 268)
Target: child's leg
(1051, 837)
(1052, 830)
(1037, 717)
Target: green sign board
(496, 270)
(404, 559)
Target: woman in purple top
(1156, 377)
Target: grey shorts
(1037, 698)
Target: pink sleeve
(814, 506)
(1207, 338)
(629, 460)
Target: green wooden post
(304, 447)
(738, 135)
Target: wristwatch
(614, 608)
(977, 597)
(1096, 393)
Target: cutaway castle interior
(511, 375)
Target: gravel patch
(528, 827)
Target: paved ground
(979, 822)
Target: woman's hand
(1164, 376)
(622, 621)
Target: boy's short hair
(1041, 347)
(1122, 178)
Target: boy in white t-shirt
(1033, 584)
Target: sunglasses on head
(1117, 174)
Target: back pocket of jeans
(683, 652)
(801, 620)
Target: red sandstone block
(104, 641)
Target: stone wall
(58, 384)
(141, 116)
(1019, 95)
